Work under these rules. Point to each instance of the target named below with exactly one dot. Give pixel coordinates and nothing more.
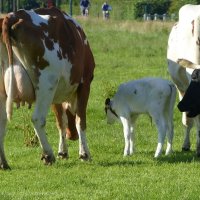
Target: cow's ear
(198, 75)
(107, 101)
(195, 75)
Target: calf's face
(110, 113)
(191, 100)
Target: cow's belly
(65, 92)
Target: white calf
(153, 96)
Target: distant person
(84, 5)
(49, 4)
(105, 10)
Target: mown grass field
(123, 51)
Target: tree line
(133, 9)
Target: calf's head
(111, 115)
(191, 100)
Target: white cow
(183, 42)
(154, 96)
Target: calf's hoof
(48, 159)
(84, 157)
(63, 155)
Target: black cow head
(191, 100)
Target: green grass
(123, 51)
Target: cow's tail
(7, 40)
(187, 64)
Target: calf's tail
(172, 100)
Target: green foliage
(123, 10)
(109, 90)
(151, 7)
(30, 4)
(25, 127)
(176, 5)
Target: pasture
(123, 51)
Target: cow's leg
(181, 79)
(71, 132)
(39, 122)
(3, 121)
(44, 97)
(82, 99)
(128, 149)
(197, 123)
(188, 124)
(61, 120)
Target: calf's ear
(107, 101)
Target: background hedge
(122, 9)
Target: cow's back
(184, 37)
(138, 95)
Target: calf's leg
(127, 128)
(170, 135)
(162, 129)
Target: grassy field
(123, 51)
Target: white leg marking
(62, 149)
(169, 149)
(162, 129)
(128, 149)
(83, 148)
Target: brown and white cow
(183, 42)
(58, 60)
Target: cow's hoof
(185, 148)
(47, 159)
(84, 157)
(63, 155)
(5, 166)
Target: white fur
(153, 96)
(38, 19)
(182, 44)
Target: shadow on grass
(120, 163)
(179, 157)
(175, 157)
